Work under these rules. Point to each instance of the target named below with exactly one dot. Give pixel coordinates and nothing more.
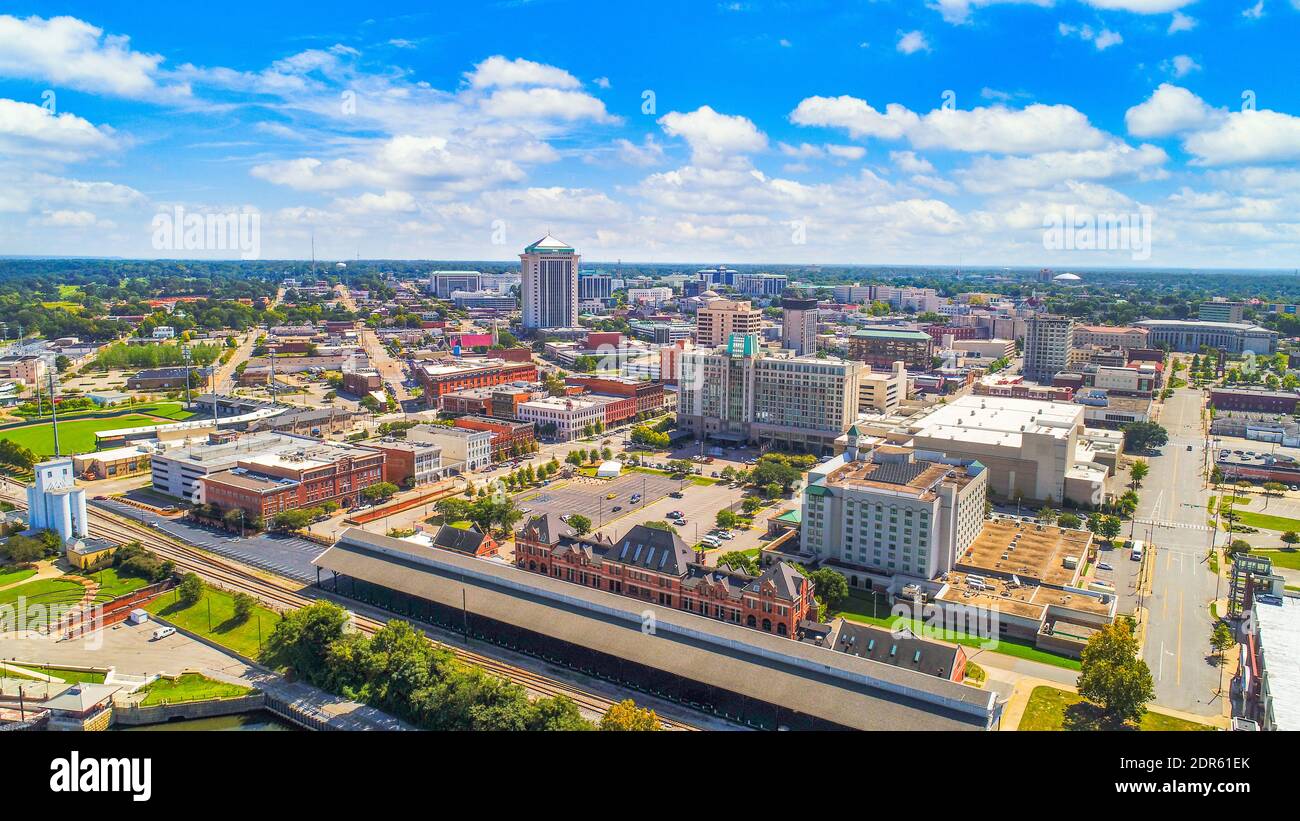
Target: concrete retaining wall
(135, 715)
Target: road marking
(1178, 659)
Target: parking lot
(1122, 576)
(589, 497)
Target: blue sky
(854, 132)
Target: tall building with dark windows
(549, 270)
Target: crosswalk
(1178, 525)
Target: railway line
(281, 595)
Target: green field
(70, 676)
(45, 592)
(1050, 708)
(217, 624)
(9, 576)
(111, 585)
(189, 687)
(861, 609)
(1265, 521)
(1287, 557)
(167, 410)
(75, 435)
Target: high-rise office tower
(799, 325)
(549, 270)
(1048, 340)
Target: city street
(1172, 517)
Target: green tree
(737, 560)
(379, 492)
(1221, 638)
(244, 605)
(1068, 520)
(1290, 537)
(726, 519)
(625, 716)
(1109, 527)
(21, 549)
(1143, 436)
(830, 587)
(1113, 676)
(1138, 472)
(190, 590)
(301, 641)
(580, 524)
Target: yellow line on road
(1178, 658)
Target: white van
(1136, 553)
(711, 541)
(162, 633)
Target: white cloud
(1182, 65)
(1181, 22)
(846, 152)
(911, 42)
(910, 162)
(959, 11)
(854, 115)
(1140, 6)
(1102, 40)
(500, 72)
(991, 175)
(65, 51)
(1247, 137)
(1033, 129)
(1254, 12)
(545, 103)
(1169, 110)
(713, 137)
(33, 132)
(649, 152)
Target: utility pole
(185, 350)
(54, 416)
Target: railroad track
(285, 595)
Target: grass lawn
(242, 638)
(189, 687)
(44, 591)
(75, 435)
(1266, 521)
(111, 585)
(8, 577)
(1050, 708)
(860, 608)
(1287, 557)
(167, 410)
(77, 676)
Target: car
(726, 534)
(611, 495)
(674, 514)
(710, 541)
(525, 510)
(1189, 447)
(677, 494)
(636, 497)
(564, 517)
(1104, 566)
(616, 508)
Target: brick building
(438, 378)
(657, 567)
(508, 437)
(270, 482)
(410, 464)
(1261, 401)
(649, 395)
(362, 382)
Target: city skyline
(916, 133)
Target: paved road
(1172, 513)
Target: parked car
(674, 514)
(616, 508)
(611, 495)
(1104, 566)
(677, 494)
